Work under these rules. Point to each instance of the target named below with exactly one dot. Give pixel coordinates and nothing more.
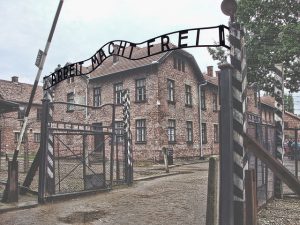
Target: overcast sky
(85, 25)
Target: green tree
(289, 103)
(272, 36)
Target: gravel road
(177, 200)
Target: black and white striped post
(239, 83)
(127, 135)
(236, 85)
(46, 167)
(278, 94)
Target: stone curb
(18, 206)
(166, 174)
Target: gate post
(46, 167)
(278, 94)
(127, 132)
(239, 83)
(226, 146)
(43, 149)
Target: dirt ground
(178, 199)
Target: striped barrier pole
(239, 83)
(278, 118)
(50, 185)
(127, 132)
(46, 167)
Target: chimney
(15, 79)
(116, 57)
(210, 71)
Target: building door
(98, 138)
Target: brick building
(166, 103)
(291, 121)
(10, 123)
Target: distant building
(10, 123)
(165, 103)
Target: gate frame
(46, 182)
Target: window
(21, 113)
(215, 102)
(140, 90)
(118, 93)
(188, 95)
(171, 130)
(179, 64)
(37, 137)
(119, 130)
(141, 130)
(97, 96)
(174, 63)
(17, 137)
(204, 133)
(216, 133)
(70, 99)
(171, 89)
(38, 114)
(189, 131)
(203, 104)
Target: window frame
(140, 88)
(204, 133)
(215, 101)
(35, 139)
(119, 131)
(171, 90)
(189, 132)
(203, 101)
(118, 94)
(96, 96)
(17, 137)
(172, 131)
(70, 108)
(188, 95)
(140, 131)
(39, 114)
(216, 133)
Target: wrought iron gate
(81, 150)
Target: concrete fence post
(212, 192)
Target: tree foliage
(272, 36)
(289, 103)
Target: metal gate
(82, 149)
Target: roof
(211, 80)
(268, 100)
(19, 92)
(108, 67)
(292, 115)
(7, 106)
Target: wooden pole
(212, 193)
(250, 191)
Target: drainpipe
(200, 117)
(86, 98)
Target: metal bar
(278, 169)
(226, 147)
(250, 194)
(113, 135)
(31, 173)
(43, 149)
(297, 153)
(84, 158)
(35, 85)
